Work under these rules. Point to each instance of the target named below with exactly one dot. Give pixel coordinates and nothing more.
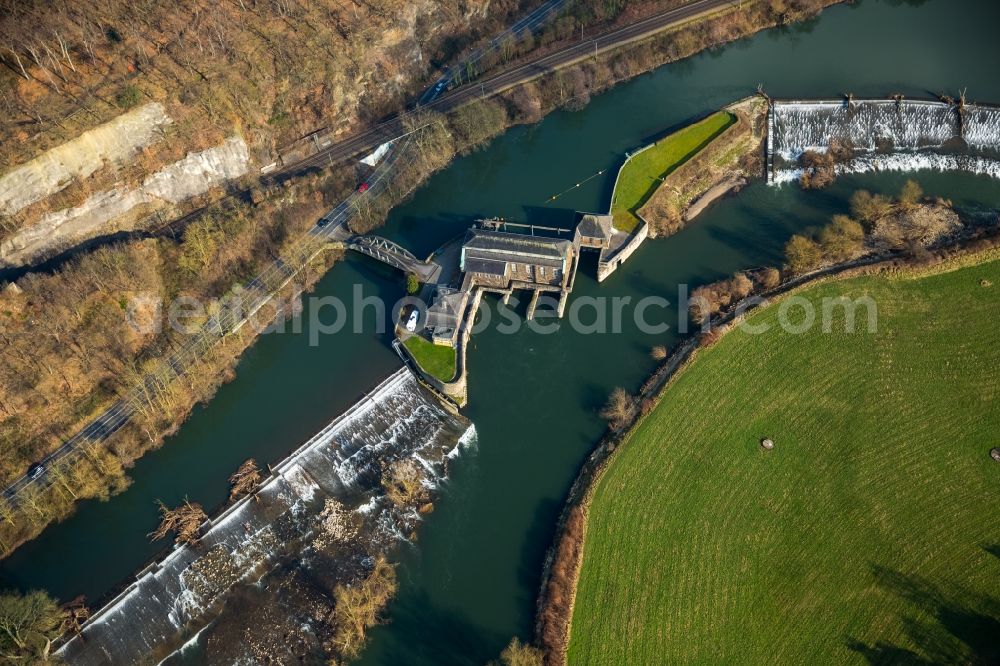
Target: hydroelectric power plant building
(505, 261)
(493, 259)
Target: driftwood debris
(184, 521)
(245, 480)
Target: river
(469, 583)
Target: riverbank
(89, 396)
(342, 500)
(728, 162)
(87, 352)
(562, 569)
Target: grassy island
(643, 173)
(437, 360)
(869, 532)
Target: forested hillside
(274, 68)
(264, 71)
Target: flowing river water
(469, 582)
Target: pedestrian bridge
(394, 255)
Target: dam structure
(174, 598)
(885, 135)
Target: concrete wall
(608, 266)
(457, 388)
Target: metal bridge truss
(384, 250)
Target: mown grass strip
(642, 174)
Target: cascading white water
(813, 125)
(886, 135)
(170, 599)
(905, 162)
(981, 127)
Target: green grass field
(435, 359)
(642, 174)
(871, 533)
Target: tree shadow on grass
(993, 549)
(955, 625)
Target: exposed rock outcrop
(114, 210)
(116, 141)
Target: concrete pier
(533, 304)
(561, 308)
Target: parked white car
(411, 323)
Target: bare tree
(64, 48)
(75, 613)
(618, 408)
(28, 623)
(403, 483)
(358, 606)
(521, 654)
(17, 59)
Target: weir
(173, 599)
(885, 134)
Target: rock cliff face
(108, 211)
(116, 141)
(268, 71)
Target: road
(437, 98)
(369, 140)
(279, 273)
(261, 288)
